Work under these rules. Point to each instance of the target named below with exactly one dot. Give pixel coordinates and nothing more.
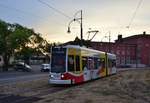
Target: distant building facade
(1, 61)
(133, 50)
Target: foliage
(18, 40)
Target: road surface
(15, 76)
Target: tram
(74, 64)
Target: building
(131, 51)
(1, 61)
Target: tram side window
(96, 63)
(70, 63)
(84, 62)
(109, 63)
(90, 63)
(113, 63)
(77, 63)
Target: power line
(56, 10)
(135, 12)
(18, 10)
(23, 12)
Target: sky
(109, 17)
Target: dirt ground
(126, 87)
(132, 86)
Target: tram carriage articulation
(74, 64)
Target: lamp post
(79, 20)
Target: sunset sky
(102, 15)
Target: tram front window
(58, 64)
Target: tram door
(103, 65)
(111, 66)
(73, 61)
(96, 65)
(86, 69)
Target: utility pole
(79, 20)
(81, 30)
(109, 42)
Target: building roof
(144, 35)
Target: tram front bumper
(51, 81)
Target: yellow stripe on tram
(80, 60)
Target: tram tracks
(40, 95)
(36, 94)
(27, 92)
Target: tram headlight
(62, 76)
(51, 76)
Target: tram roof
(88, 49)
(83, 48)
(91, 50)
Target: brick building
(133, 51)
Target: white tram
(74, 64)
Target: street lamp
(79, 20)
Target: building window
(138, 60)
(122, 60)
(118, 60)
(147, 45)
(118, 52)
(128, 60)
(123, 53)
(128, 52)
(112, 51)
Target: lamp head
(68, 31)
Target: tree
(4, 42)
(20, 41)
(12, 36)
(35, 46)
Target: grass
(125, 87)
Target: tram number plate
(57, 76)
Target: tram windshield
(58, 63)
